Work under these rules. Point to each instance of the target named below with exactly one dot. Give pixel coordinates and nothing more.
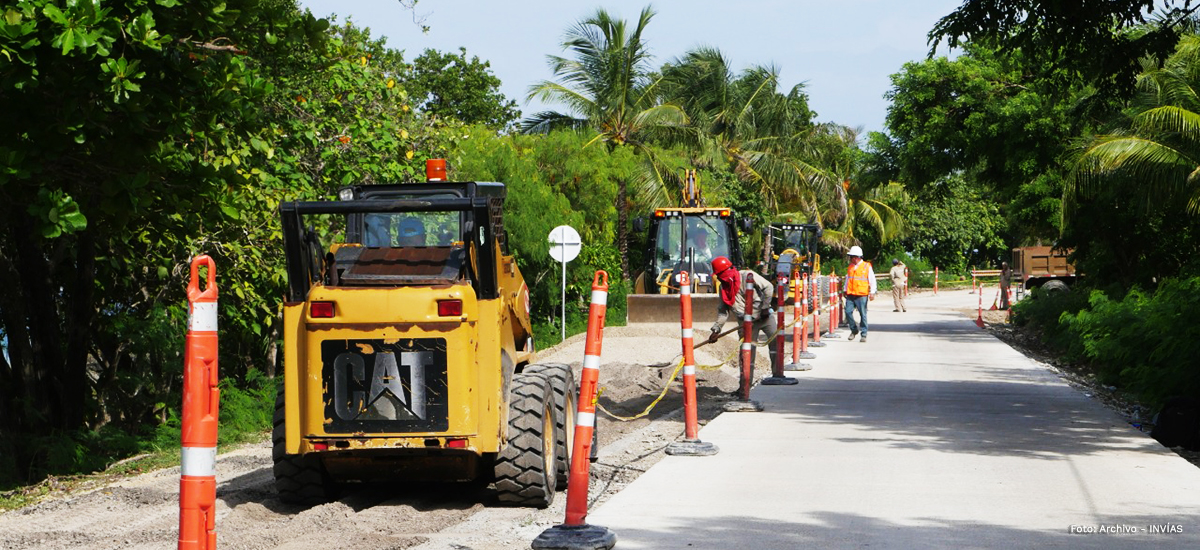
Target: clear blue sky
(843, 50)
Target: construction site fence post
(816, 314)
(777, 377)
(832, 331)
(748, 339)
(935, 280)
(201, 399)
(743, 402)
(979, 319)
(574, 532)
(691, 444)
(799, 326)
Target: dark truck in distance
(1042, 266)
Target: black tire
(299, 479)
(562, 383)
(1054, 285)
(525, 466)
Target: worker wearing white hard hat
(860, 288)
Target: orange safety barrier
(198, 464)
(585, 420)
(816, 315)
(979, 320)
(743, 402)
(691, 444)
(800, 326)
(777, 377)
(748, 340)
(574, 532)
(832, 332)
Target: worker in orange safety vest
(860, 287)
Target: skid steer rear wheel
(299, 479)
(562, 383)
(525, 467)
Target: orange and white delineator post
(198, 476)
(748, 339)
(906, 282)
(691, 444)
(743, 402)
(777, 377)
(832, 331)
(574, 532)
(800, 326)
(935, 280)
(816, 315)
(979, 320)
(585, 420)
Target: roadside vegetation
(136, 134)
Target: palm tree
(1157, 153)
(607, 87)
(857, 205)
(745, 124)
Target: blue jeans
(859, 303)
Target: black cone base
(692, 447)
(575, 537)
(778, 381)
(742, 406)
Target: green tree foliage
(553, 180)
(745, 125)
(1093, 41)
(1135, 192)
(137, 134)
(984, 116)
(448, 85)
(955, 226)
(607, 87)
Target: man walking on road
(899, 281)
(860, 287)
(1005, 284)
(733, 299)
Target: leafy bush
(1146, 343)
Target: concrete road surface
(933, 434)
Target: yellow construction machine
(791, 250)
(408, 351)
(684, 238)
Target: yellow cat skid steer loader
(408, 352)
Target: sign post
(564, 247)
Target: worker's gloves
(713, 336)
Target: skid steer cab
(408, 352)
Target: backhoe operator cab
(685, 239)
(408, 349)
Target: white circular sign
(564, 243)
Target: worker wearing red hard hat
(733, 300)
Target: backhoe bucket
(664, 308)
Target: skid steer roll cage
(307, 263)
